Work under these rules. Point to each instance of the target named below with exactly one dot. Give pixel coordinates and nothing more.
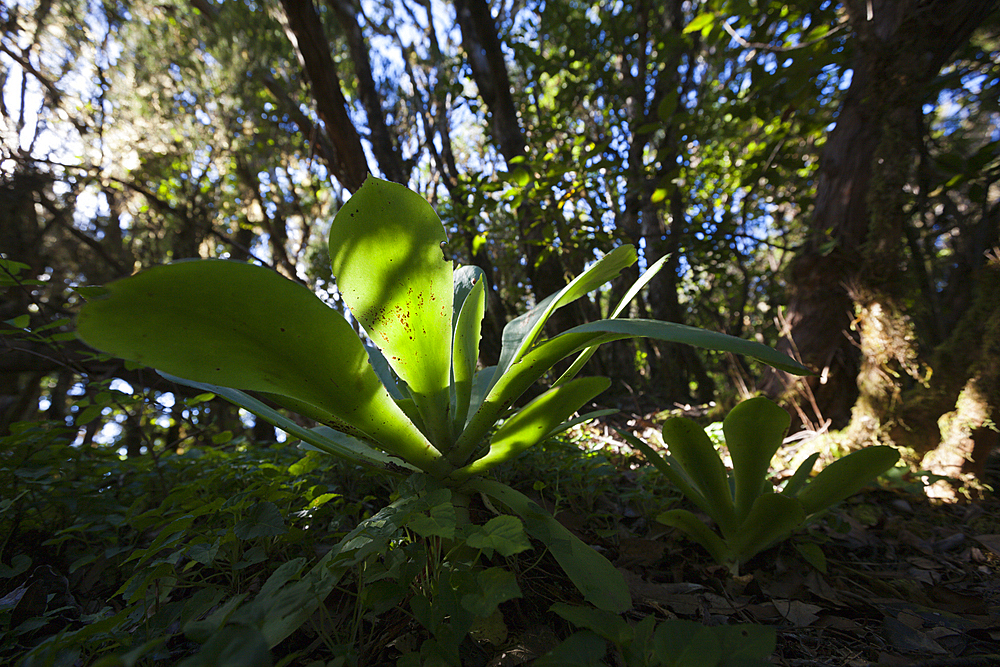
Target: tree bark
(482, 47)
(305, 31)
(845, 286)
(390, 162)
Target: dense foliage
(823, 177)
(743, 144)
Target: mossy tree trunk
(851, 305)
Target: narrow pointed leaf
(636, 287)
(581, 419)
(754, 430)
(700, 533)
(465, 279)
(385, 250)
(771, 518)
(323, 438)
(846, 476)
(237, 325)
(384, 372)
(508, 386)
(801, 476)
(694, 451)
(594, 576)
(670, 468)
(534, 422)
(465, 356)
(480, 387)
(610, 626)
(523, 332)
(680, 333)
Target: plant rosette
(749, 515)
(412, 400)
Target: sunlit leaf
(699, 22)
(846, 476)
(237, 325)
(385, 250)
(535, 421)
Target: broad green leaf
(813, 554)
(204, 552)
(465, 356)
(262, 520)
(581, 649)
(604, 623)
(439, 521)
(18, 564)
(11, 267)
(699, 532)
(495, 585)
(385, 250)
(503, 534)
(682, 643)
(637, 651)
(746, 644)
(9, 272)
(772, 517)
(594, 576)
(322, 438)
(19, 322)
(846, 476)
(237, 325)
(689, 645)
(754, 430)
(694, 451)
(535, 421)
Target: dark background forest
(822, 177)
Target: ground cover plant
(157, 583)
(413, 401)
(750, 515)
(230, 552)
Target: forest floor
(901, 580)
(889, 577)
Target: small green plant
(749, 515)
(412, 401)
(672, 643)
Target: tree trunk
(305, 31)
(390, 162)
(846, 286)
(482, 48)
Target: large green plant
(747, 512)
(415, 400)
